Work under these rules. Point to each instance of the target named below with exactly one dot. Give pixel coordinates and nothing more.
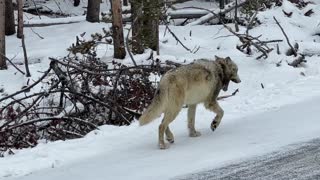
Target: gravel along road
(295, 162)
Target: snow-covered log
(195, 12)
(213, 13)
(187, 13)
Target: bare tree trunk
(10, 27)
(20, 19)
(221, 4)
(93, 10)
(125, 2)
(137, 25)
(3, 64)
(76, 3)
(150, 36)
(236, 17)
(21, 36)
(117, 30)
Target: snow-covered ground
(131, 152)
(257, 120)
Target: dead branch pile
(248, 41)
(74, 97)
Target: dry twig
(12, 64)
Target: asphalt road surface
(296, 162)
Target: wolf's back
(154, 110)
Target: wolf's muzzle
(236, 80)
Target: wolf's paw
(170, 140)
(214, 126)
(163, 146)
(194, 134)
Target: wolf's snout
(236, 79)
(225, 88)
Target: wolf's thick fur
(199, 82)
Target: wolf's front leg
(191, 119)
(214, 106)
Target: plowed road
(296, 162)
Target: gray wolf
(198, 82)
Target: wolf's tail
(154, 110)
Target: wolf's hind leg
(191, 120)
(215, 107)
(169, 116)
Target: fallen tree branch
(270, 41)
(227, 96)
(13, 64)
(36, 33)
(173, 63)
(250, 24)
(248, 41)
(36, 8)
(52, 119)
(285, 35)
(177, 39)
(26, 88)
(127, 44)
(26, 108)
(27, 25)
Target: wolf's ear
(228, 59)
(217, 57)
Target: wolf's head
(230, 71)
